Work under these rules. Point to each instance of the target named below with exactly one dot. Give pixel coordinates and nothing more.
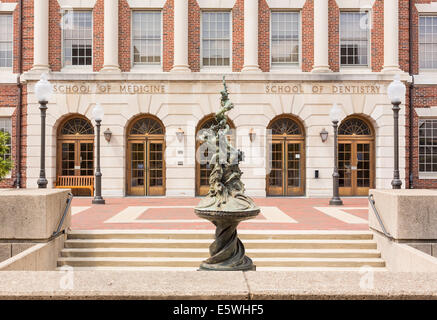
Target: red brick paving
(300, 209)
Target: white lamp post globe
(43, 88)
(98, 112)
(335, 113)
(396, 90)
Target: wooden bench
(75, 182)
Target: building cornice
(200, 76)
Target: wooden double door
(356, 167)
(146, 167)
(287, 168)
(76, 157)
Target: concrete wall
(39, 257)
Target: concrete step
(203, 253)
(209, 234)
(204, 243)
(194, 262)
(258, 269)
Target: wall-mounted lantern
(252, 135)
(108, 135)
(180, 135)
(324, 135)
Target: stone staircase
(184, 250)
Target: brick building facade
(292, 59)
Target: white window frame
(144, 66)
(217, 68)
(286, 66)
(72, 68)
(353, 68)
(11, 68)
(424, 174)
(423, 70)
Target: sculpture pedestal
(227, 251)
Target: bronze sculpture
(225, 205)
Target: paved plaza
(178, 214)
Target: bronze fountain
(225, 205)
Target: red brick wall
(377, 36)
(98, 37)
(334, 36)
(9, 97)
(124, 36)
(194, 35)
(238, 36)
(422, 96)
(264, 36)
(55, 39)
(167, 35)
(308, 36)
(404, 43)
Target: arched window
(147, 126)
(285, 126)
(354, 127)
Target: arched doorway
(75, 150)
(203, 170)
(145, 157)
(287, 158)
(356, 157)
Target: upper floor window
(428, 42)
(78, 38)
(6, 40)
(146, 42)
(354, 39)
(428, 145)
(216, 39)
(6, 126)
(285, 37)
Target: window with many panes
(354, 39)
(77, 37)
(428, 145)
(428, 42)
(216, 39)
(285, 37)
(6, 126)
(146, 37)
(6, 40)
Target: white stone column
(110, 62)
(391, 36)
(180, 62)
(41, 35)
(250, 36)
(321, 34)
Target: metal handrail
(375, 211)
(58, 230)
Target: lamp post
(335, 115)
(98, 117)
(396, 91)
(43, 92)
